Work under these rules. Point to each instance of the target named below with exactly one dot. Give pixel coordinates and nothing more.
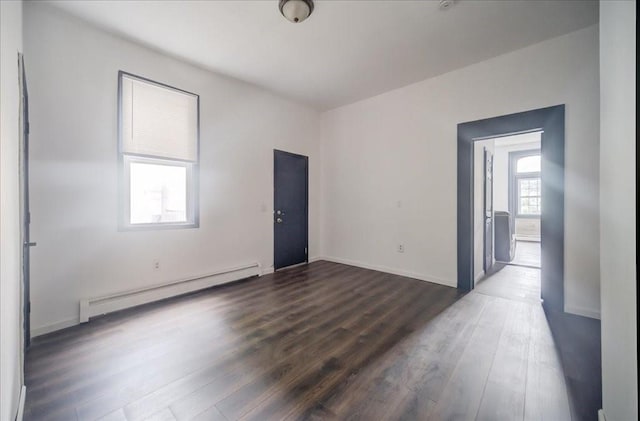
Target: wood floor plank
(378, 336)
(129, 331)
(325, 342)
(546, 397)
(439, 347)
(163, 415)
(117, 415)
(211, 414)
(504, 393)
(401, 365)
(466, 385)
(83, 338)
(241, 347)
(125, 370)
(319, 342)
(278, 345)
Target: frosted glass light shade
(296, 10)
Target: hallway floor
(576, 338)
(527, 254)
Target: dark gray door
(290, 216)
(26, 215)
(488, 210)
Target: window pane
(529, 196)
(528, 164)
(158, 193)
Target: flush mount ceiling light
(445, 4)
(296, 10)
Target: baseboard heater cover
(91, 307)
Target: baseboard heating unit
(91, 307)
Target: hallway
(528, 253)
(574, 339)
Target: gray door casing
(551, 121)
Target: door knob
(279, 220)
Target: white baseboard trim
(96, 306)
(601, 416)
(311, 260)
(527, 238)
(43, 330)
(23, 395)
(393, 271)
(119, 301)
(479, 276)
(582, 311)
(267, 271)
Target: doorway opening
(525, 202)
(508, 202)
(491, 221)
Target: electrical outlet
(156, 265)
(400, 248)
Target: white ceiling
(346, 50)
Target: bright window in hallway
(528, 164)
(528, 185)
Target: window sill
(157, 227)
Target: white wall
(618, 209)
(10, 249)
(72, 71)
(401, 146)
(478, 204)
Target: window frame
(514, 185)
(126, 158)
(528, 176)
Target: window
(528, 185)
(529, 196)
(528, 164)
(158, 139)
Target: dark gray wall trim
(551, 121)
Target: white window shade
(158, 121)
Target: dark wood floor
(325, 341)
(576, 338)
